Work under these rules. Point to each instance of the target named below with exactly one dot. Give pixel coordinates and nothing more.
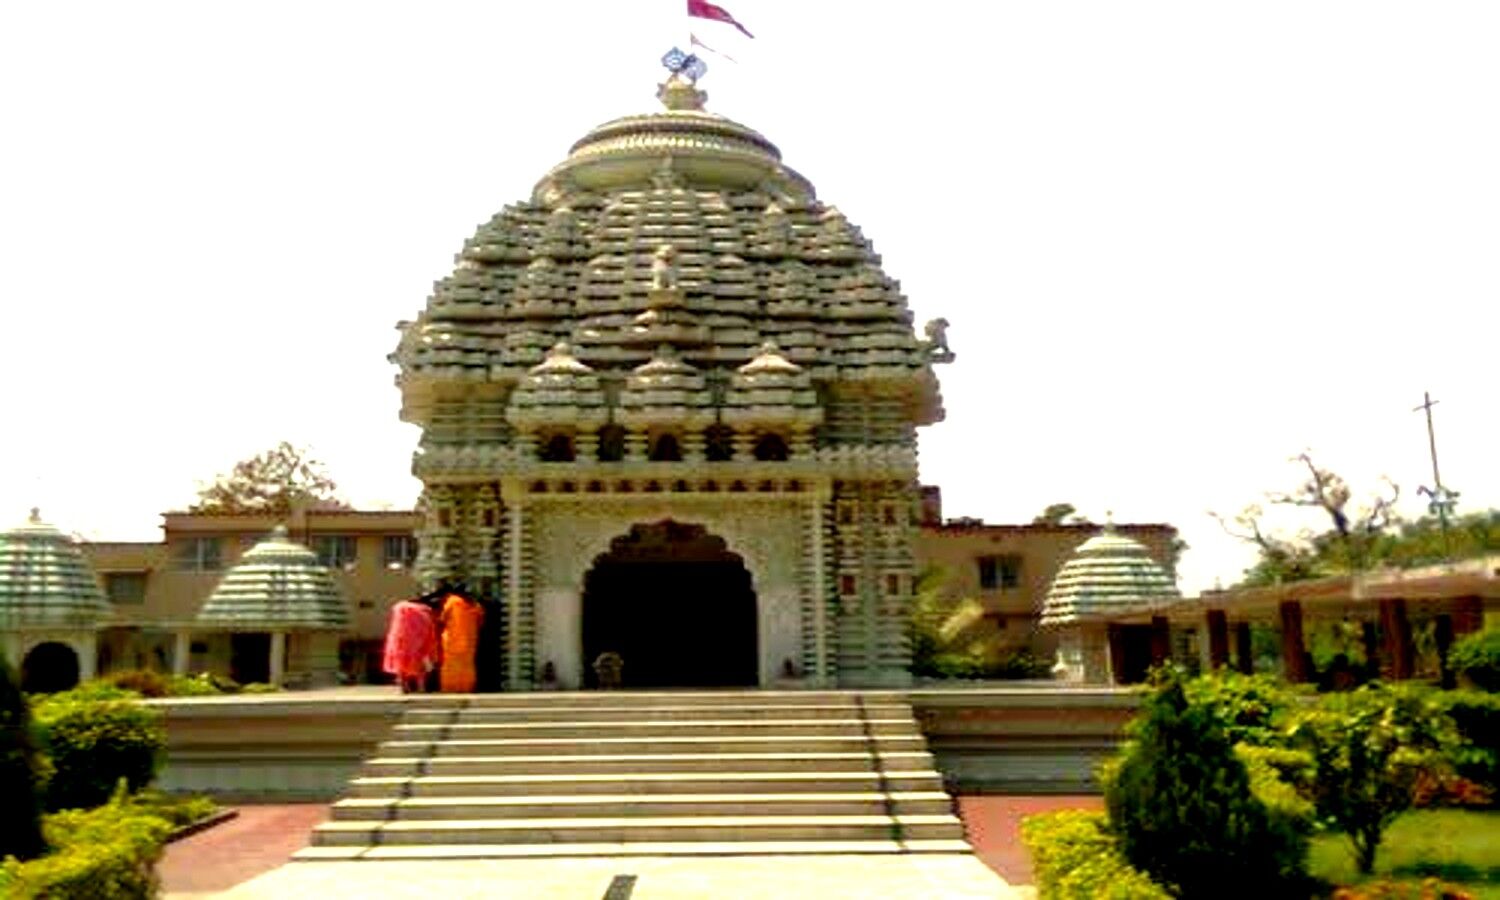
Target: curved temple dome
(277, 586)
(1109, 573)
(44, 579)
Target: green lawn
(1457, 846)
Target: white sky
(1178, 242)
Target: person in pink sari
(411, 644)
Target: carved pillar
(277, 662)
(520, 638)
(744, 445)
(635, 446)
(182, 648)
(1395, 627)
(1116, 637)
(694, 445)
(1293, 651)
(1218, 639)
(815, 593)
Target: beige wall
(955, 550)
(173, 596)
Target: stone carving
(937, 341)
(663, 270)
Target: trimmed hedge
(110, 851)
(1476, 715)
(1074, 857)
(95, 743)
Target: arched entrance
(676, 605)
(49, 667)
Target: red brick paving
(259, 839)
(994, 827)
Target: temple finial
(36, 515)
(680, 90)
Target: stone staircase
(646, 774)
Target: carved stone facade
(675, 329)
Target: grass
(1458, 846)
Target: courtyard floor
(241, 858)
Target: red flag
(705, 10)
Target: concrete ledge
(1023, 738)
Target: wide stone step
(615, 699)
(640, 828)
(809, 761)
(805, 712)
(649, 728)
(632, 805)
(637, 848)
(647, 745)
(642, 783)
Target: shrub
(1185, 808)
(1476, 657)
(95, 743)
(110, 851)
(1074, 857)
(1476, 754)
(177, 810)
(1253, 709)
(1371, 748)
(20, 813)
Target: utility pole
(1440, 500)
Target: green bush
(1074, 857)
(106, 852)
(95, 743)
(141, 681)
(20, 811)
(1476, 754)
(1372, 748)
(1385, 889)
(1477, 657)
(1253, 709)
(177, 810)
(1184, 805)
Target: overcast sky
(1178, 243)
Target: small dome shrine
(277, 585)
(559, 391)
(45, 581)
(1108, 574)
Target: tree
(20, 813)
(270, 483)
(1370, 748)
(1351, 543)
(1060, 514)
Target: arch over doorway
(49, 667)
(677, 606)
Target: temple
(669, 408)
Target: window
(666, 449)
(559, 448)
(334, 550)
(771, 448)
(893, 585)
(125, 588)
(999, 572)
(399, 551)
(199, 554)
(847, 585)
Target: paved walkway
(245, 857)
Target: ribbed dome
(710, 146)
(559, 389)
(771, 388)
(277, 586)
(1108, 574)
(45, 581)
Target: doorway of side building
(677, 607)
(250, 657)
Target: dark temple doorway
(677, 607)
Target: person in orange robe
(461, 620)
